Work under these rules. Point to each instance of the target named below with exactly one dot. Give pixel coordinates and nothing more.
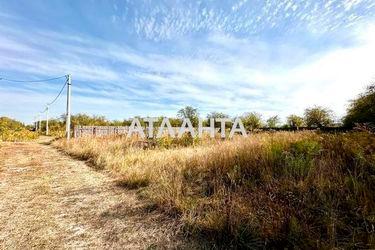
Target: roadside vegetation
(361, 114)
(280, 189)
(362, 109)
(12, 130)
(298, 189)
(301, 189)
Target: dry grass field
(304, 190)
(284, 189)
(51, 201)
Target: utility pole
(68, 92)
(40, 123)
(47, 110)
(36, 123)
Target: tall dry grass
(285, 189)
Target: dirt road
(49, 200)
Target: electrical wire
(41, 80)
(45, 109)
(58, 95)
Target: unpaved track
(49, 200)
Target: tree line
(361, 111)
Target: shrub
(362, 109)
(318, 117)
(295, 121)
(12, 130)
(252, 120)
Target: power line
(43, 110)
(67, 82)
(54, 100)
(41, 80)
(58, 95)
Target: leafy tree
(273, 121)
(252, 120)
(189, 112)
(86, 120)
(215, 115)
(54, 125)
(126, 122)
(175, 122)
(318, 117)
(294, 121)
(116, 123)
(362, 109)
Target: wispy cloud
(229, 57)
(166, 21)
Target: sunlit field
(282, 189)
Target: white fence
(92, 131)
(83, 131)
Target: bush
(295, 121)
(252, 120)
(299, 160)
(318, 117)
(362, 109)
(12, 130)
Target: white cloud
(224, 72)
(166, 22)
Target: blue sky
(151, 58)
